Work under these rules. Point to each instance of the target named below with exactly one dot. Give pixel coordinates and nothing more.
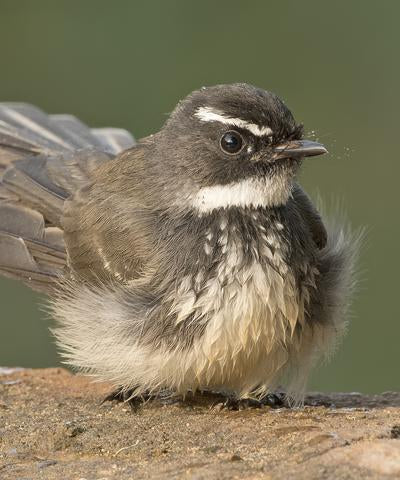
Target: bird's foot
(134, 401)
(127, 396)
(272, 400)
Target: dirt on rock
(54, 426)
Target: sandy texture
(52, 426)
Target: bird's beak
(298, 148)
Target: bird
(189, 261)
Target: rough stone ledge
(53, 425)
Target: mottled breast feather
(239, 306)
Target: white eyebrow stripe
(207, 114)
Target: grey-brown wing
(43, 160)
(109, 232)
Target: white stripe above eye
(208, 114)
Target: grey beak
(299, 148)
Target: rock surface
(53, 425)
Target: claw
(126, 396)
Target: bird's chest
(244, 292)
(241, 303)
(251, 297)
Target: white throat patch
(250, 192)
(207, 114)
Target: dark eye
(231, 142)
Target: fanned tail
(43, 160)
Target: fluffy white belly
(242, 310)
(250, 314)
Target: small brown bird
(190, 261)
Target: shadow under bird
(189, 261)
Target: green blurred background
(336, 64)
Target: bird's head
(233, 145)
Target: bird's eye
(231, 142)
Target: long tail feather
(43, 160)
